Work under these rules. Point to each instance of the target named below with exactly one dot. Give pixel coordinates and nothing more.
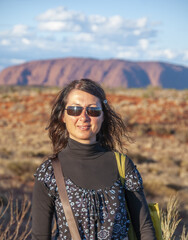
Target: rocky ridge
(111, 73)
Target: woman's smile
(84, 128)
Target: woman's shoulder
(45, 169)
(45, 175)
(125, 159)
(133, 179)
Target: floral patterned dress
(100, 214)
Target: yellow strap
(153, 207)
(121, 158)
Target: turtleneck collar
(84, 150)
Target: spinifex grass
(170, 220)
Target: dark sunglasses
(77, 110)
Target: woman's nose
(84, 114)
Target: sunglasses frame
(77, 111)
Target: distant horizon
(104, 59)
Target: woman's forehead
(79, 96)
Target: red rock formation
(111, 73)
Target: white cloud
(127, 53)
(73, 33)
(19, 30)
(26, 41)
(60, 14)
(100, 24)
(169, 54)
(17, 61)
(62, 19)
(143, 43)
(84, 37)
(10, 36)
(118, 25)
(97, 19)
(185, 55)
(5, 42)
(165, 53)
(116, 21)
(137, 32)
(141, 22)
(59, 26)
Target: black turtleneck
(91, 167)
(88, 165)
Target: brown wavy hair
(113, 131)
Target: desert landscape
(157, 120)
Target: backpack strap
(121, 158)
(65, 200)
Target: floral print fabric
(100, 214)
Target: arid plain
(157, 120)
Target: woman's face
(82, 128)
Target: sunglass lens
(74, 110)
(91, 111)
(94, 111)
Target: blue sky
(137, 30)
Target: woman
(85, 132)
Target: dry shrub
(170, 221)
(182, 136)
(141, 129)
(40, 154)
(140, 159)
(15, 219)
(5, 153)
(184, 235)
(25, 169)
